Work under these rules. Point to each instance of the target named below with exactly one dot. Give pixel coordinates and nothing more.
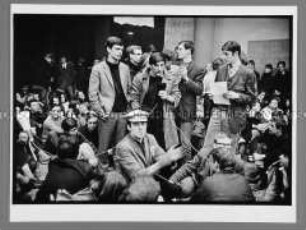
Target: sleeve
(93, 92)
(186, 170)
(158, 151)
(46, 128)
(195, 85)
(200, 104)
(175, 94)
(250, 89)
(127, 162)
(129, 84)
(135, 91)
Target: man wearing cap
(108, 93)
(139, 153)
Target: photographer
(156, 91)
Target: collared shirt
(232, 70)
(133, 156)
(144, 146)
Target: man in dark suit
(251, 65)
(191, 86)
(66, 77)
(109, 94)
(283, 82)
(45, 74)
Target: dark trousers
(111, 131)
(69, 90)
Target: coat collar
(109, 75)
(142, 152)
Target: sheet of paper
(217, 90)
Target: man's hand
(184, 73)
(209, 96)
(231, 95)
(172, 155)
(103, 116)
(200, 115)
(175, 154)
(163, 94)
(262, 127)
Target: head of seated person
(227, 160)
(66, 148)
(144, 189)
(226, 186)
(109, 186)
(222, 140)
(69, 126)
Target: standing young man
(135, 59)
(108, 93)
(231, 119)
(191, 86)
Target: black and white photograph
(152, 108)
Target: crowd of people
(154, 127)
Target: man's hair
(67, 148)
(227, 159)
(131, 49)
(269, 66)
(59, 106)
(32, 101)
(188, 45)
(274, 98)
(144, 189)
(112, 185)
(281, 63)
(232, 46)
(151, 48)
(169, 55)
(156, 57)
(252, 62)
(111, 41)
(217, 63)
(68, 124)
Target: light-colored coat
(101, 87)
(139, 89)
(131, 158)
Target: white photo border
(160, 213)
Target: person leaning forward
(193, 172)
(108, 93)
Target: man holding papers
(233, 89)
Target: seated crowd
(134, 132)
